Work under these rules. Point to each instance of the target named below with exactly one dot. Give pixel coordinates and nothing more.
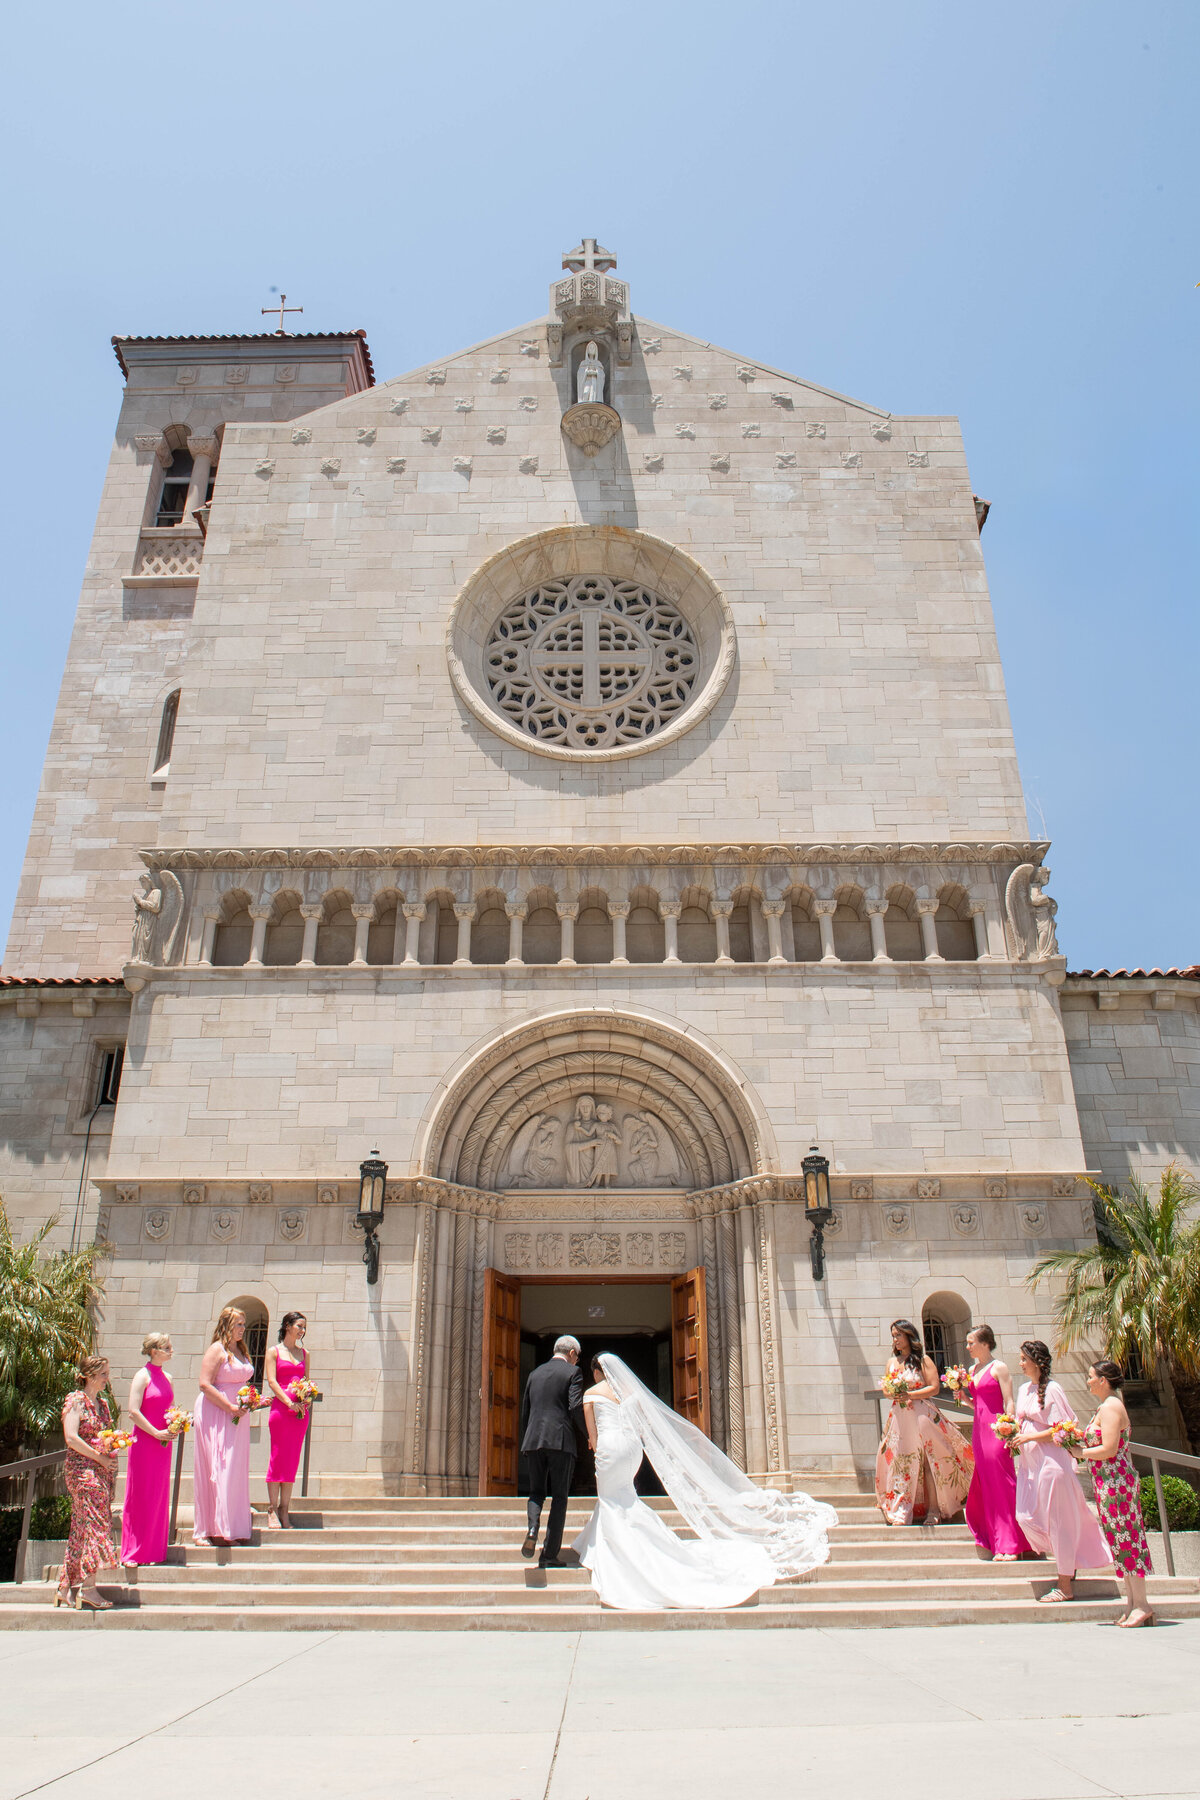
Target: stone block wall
(1134, 1047)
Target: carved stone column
(978, 911)
(414, 912)
(823, 911)
(669, 911)
(927, 910)
(211, 921)
(618, 912)
(422, 1306)
(772, 1367)
(464, 915)
(720, 910)
(732, 1336)
(258, 937)
(362, 925)
(753, 1373)
(516, 933)
(717, 1371)
(204, 454)
(398, 936)
(475, 1354)
(772, 912)
(567, 915)
(311, 914)
(876, 909)
(461, 1234)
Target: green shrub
(1182, 1502)
(47, 1519)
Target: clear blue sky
(981, 210)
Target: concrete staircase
(363, 1561)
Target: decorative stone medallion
(639, 1249)
(1033, 1219)
(549, 1249)
(595, 1250)
(897, 1220)
(964, 1220)
(929, 1189)
(996, 1188)
(518, 1249)
(223, 1226)
(292, 1225)
(862, 1190)
(672, 1249)
(156, 1224)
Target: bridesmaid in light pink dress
(287, 1361)
(221, 1440)
(146, 1508)
(991, 1507)
(1051, 1508)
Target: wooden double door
(500, 1388)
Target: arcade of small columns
(306, 910)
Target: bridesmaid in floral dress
(1117, 1490)
(91, 1475)
(923, 1468)
(286, 1362)
(145, 1514)
(991, 1508)
(1051, 1508)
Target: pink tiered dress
(991, 1507)
(144, 1514)
(221, 1459)
(1051, 1509)
(287, 1431)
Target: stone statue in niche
(581, 1143)
(608, 1141)
(590, 385)
(1029, 914)
(158, 907)
(542, 1166)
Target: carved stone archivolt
(594, 1100)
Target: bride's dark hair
(597, 1367)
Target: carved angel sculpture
(590, 386)
(1045, 909)
(542, 1165)
(642, 1150)
(1020, 922)
(159, 907)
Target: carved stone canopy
(591, 426)
(589, 298)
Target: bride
(747, 1538)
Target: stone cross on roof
(588, 255)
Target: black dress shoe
(555, 1562)
(530, 1544)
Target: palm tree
(45, 1327)
(1137, 1289)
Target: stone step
(820, 1615)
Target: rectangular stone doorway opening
(655, 1326)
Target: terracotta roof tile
(252, 337)
(60, 981)
(1190, 974)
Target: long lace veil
(715, 1497)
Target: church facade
(579, 770)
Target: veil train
(717, 1499)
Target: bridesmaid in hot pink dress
(146, 1508)
(991, 1508)
(287, 1361)
(1051, 1508)
(221, 1440)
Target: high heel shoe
(61, 1599)
(96, 1605)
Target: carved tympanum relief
(593, 1142)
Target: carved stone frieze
(1032, 1218)
(224, 1224)
(672, 1249)
(550, 1247)
(639, 1249)
(996, 1187)
(897, 1221)
(193, 1194)
(127, 1193)
(156, 1224)
(862, 1190)
(930, 1188)
(595, 1250)
(1063, 1187)
(260, 1193)
(518, 1249)
(964, 1219)
(327, 1193)
(293, 1224)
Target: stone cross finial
(281, 309)
(588, 255)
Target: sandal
(1054, 1597)
(94, 1602)
(1129, 1623)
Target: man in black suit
(550, 1416)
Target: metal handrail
(1148, 1452)
(173, 1528)
(26, 1471)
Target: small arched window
(257, 1326)
(945, 1321)
(166, 737)
(172, 502)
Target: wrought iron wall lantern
(818, 1209)
(372, 1191)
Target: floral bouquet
(304, 1391)
(896, 1386)
(249, 1398)
(113, 1441)
(1068, 1434)
(178, 1423)
(958, 1379)
(1008, 1430)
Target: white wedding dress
(747, 1538)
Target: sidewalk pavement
(997, 1712)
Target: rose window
(591, 663)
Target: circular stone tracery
(591, 662)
